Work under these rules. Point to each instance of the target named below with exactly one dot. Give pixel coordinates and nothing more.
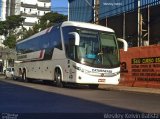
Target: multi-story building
(8, 8)
(32, 10)
(135, 20)
(3, 9)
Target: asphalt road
(35, 100)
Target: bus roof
(36, 35)
(86, 25)
(70, 23)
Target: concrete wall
(140, 66)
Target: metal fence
(110, 8)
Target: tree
(49, 19)
(3, 28)
(8, 29)
(10, 41)
(14, 21)
(11, 23)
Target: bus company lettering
(93, 70)
(101, 70)
(81, 69)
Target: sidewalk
(132, 89)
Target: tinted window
(68, 41)
(49, 40)
(55, 38)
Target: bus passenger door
(71, 55)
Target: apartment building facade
(31, 10)
(8, 8)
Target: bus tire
(93, 86)
(58, 77)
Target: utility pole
(139, 26)
(106, 21)
(95, 9)
(148, 24)
(124, 25)
(141, 29)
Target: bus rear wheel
(58, 78)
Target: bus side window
(56, 36)
(69, 42)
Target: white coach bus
(71, 52)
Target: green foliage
(52, 18)
(3, 28)
(8, 27)
(10, 41)
(14, 21)
(48, 20)
(11, 23)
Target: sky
(60, 6)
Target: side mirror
(77, 37)
(125, 45)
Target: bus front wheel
(58, 78)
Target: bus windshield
(98, 49)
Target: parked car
(9, 72)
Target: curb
(130, 89)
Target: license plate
(101, 80)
